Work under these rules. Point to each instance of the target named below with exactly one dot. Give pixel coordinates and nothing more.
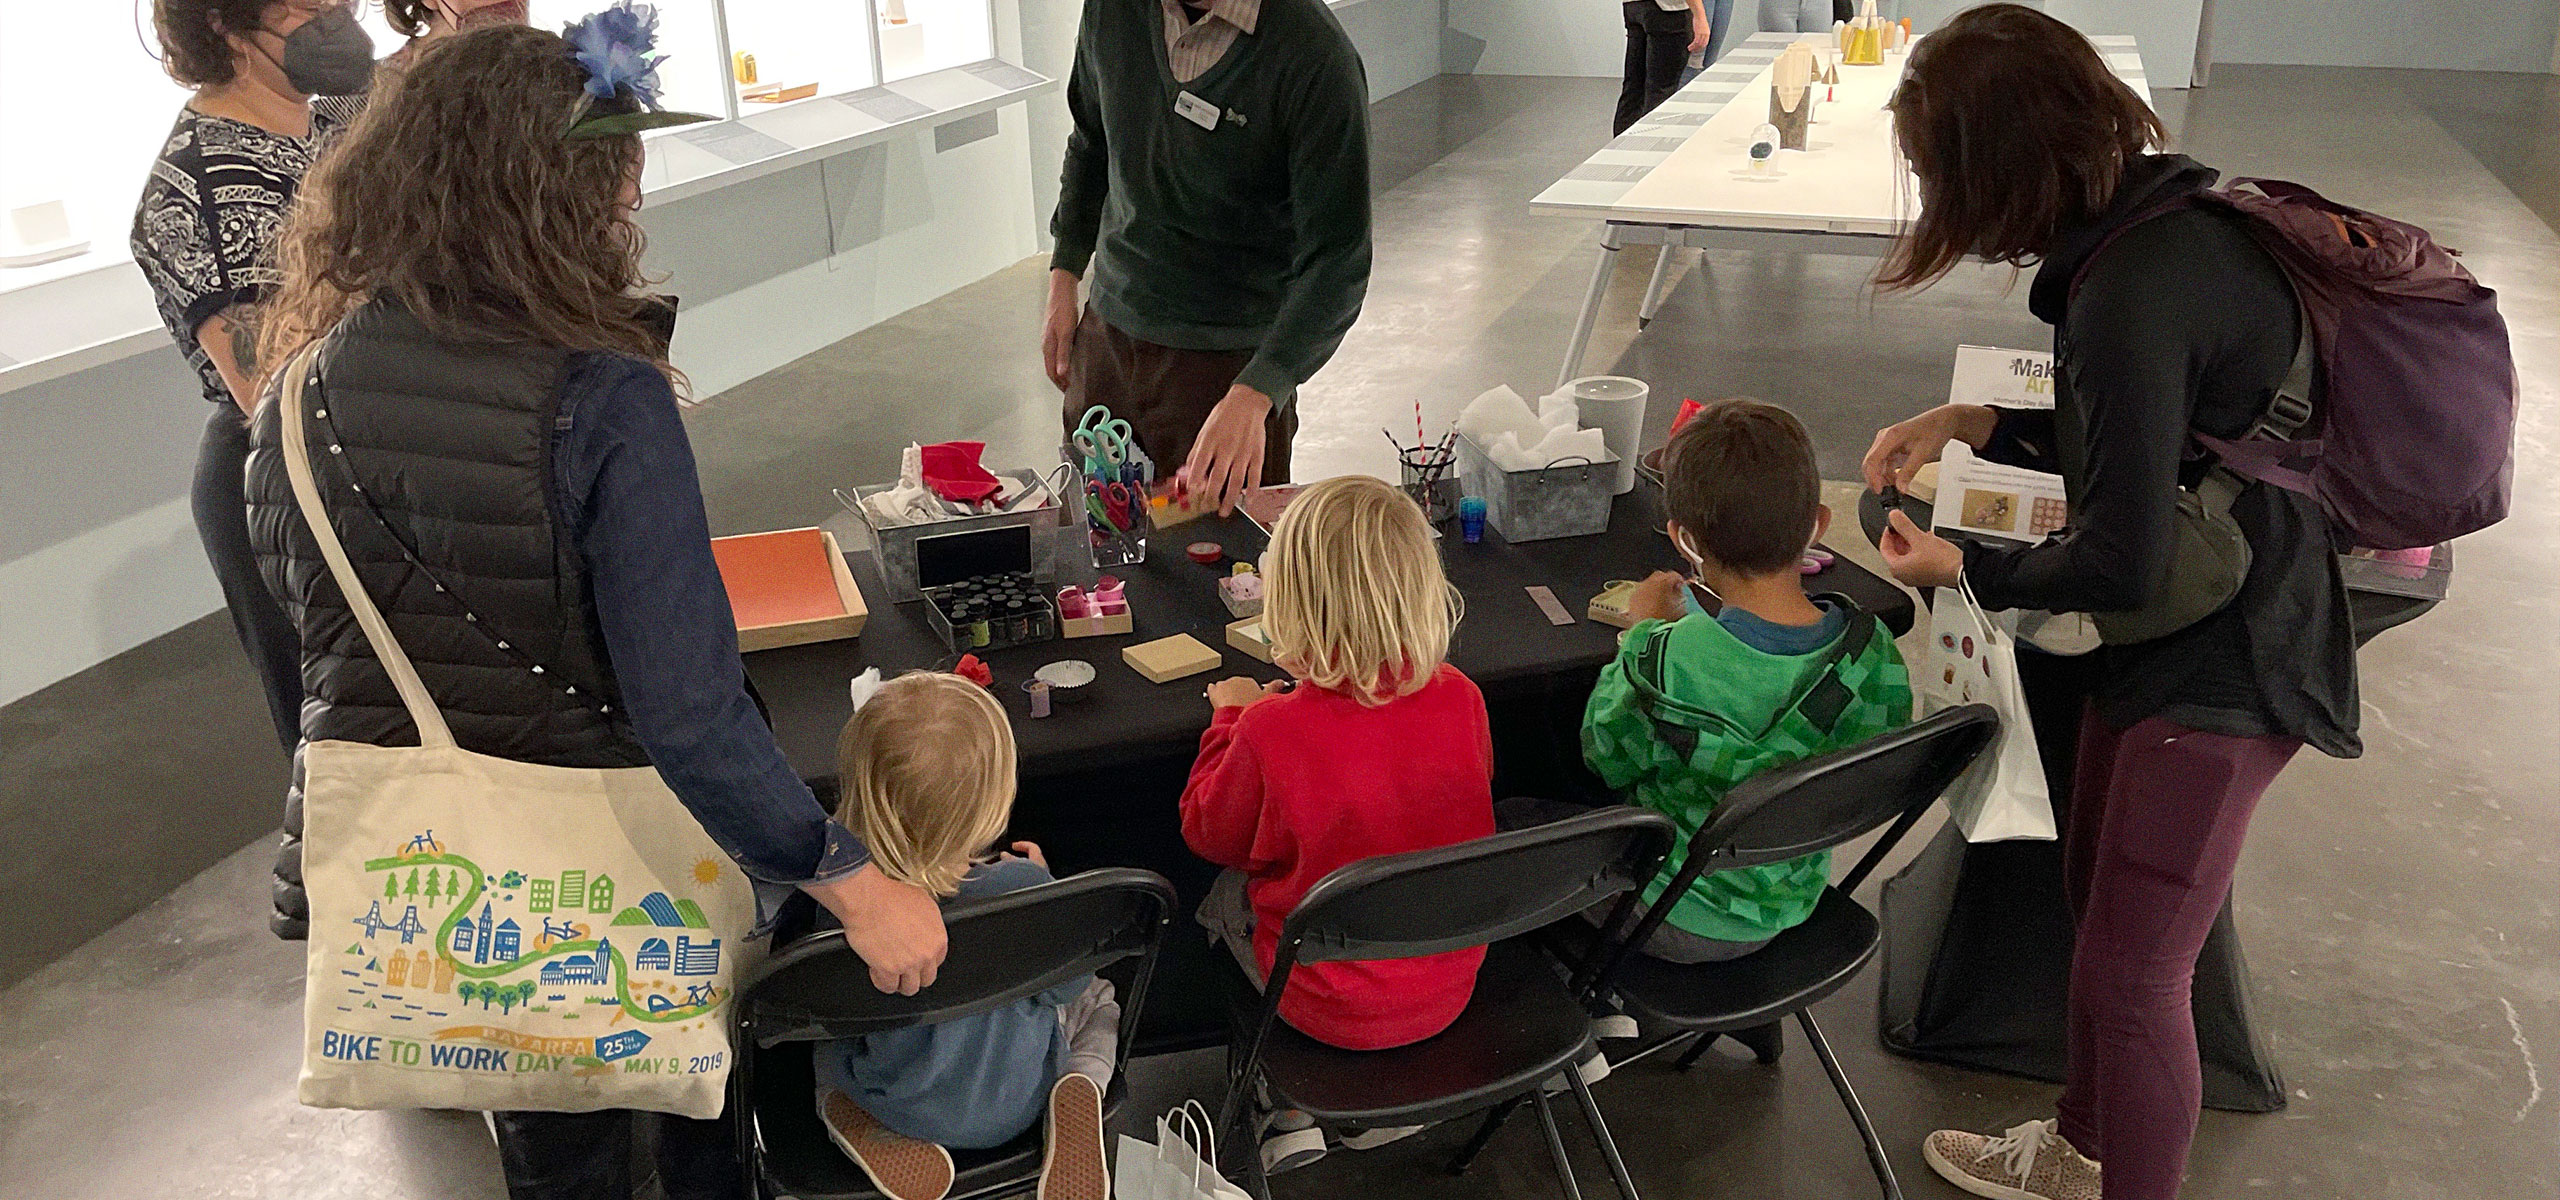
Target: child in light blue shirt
(927, 766)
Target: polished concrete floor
(2399, 909)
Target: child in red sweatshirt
(1380, 748)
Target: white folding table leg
(1590, 305)
(1653, 290)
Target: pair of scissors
(1115, 505)
(1103, 440)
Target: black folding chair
(1779, 815)
(1522, 1028)
(1003, 948)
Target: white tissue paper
(1519, 438)
(1496, 413)
(1557, 410)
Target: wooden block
(1085, 627)
(1249, 636)
(789, 587)
(1167, 659)
(1610, 606)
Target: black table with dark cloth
(1977, 954)
(1101, 777)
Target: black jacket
(454, 535)
(2179, 322)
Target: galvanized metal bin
(1569, 497)
(1057, 536)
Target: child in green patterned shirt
(1696, 703)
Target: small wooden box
(1249, 636)
(1084, 627)
(789, 587)
(1610, 606)
(1167, 659)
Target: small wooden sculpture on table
(1791, 95)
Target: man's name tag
(1197, 111)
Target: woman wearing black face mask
(202, 233)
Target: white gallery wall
(2444, 35)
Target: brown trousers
(1164, 394)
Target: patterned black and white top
(205, 229)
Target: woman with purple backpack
(2169, 319)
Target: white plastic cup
(1614, 405)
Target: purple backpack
(2410, 441)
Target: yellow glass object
(743, 65)
(1866, 46)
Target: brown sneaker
(900, 1166)
(2030, 1162)
(1074, 1168)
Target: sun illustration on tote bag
(706, 871)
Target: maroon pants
(2158, 812)
(1164, 394)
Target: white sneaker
(1371, 1139)
(1292, 1150)
(2031, 1162)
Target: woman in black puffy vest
(511, 479)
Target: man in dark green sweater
(1217, 184)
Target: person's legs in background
(1631, 82)
(1719, 23)
(1666, 54)
(219, 500)
(1795, 16)
(2159, 812)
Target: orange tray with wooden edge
(789, 587)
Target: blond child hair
(1356, 600)
(927, 765)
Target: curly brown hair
(457, 196)
(195, 36)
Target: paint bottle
(1471, 519)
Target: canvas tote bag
(496, 935)
(1970, 659)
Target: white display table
(1682, 177)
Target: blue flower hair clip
(617, 47)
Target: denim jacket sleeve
(627, 493)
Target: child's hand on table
(1658, 598)
(1240, 692)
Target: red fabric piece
(974, 671)
(951, 469)
(1293, 787)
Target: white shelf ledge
(71, 315)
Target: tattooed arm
(230, 338)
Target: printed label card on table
(2002, 378)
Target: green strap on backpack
(1815, 706)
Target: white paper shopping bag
(1969, 659)
(1182, 1165)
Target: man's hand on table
(1058, 328)
(1227, 458)
(895, 927)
